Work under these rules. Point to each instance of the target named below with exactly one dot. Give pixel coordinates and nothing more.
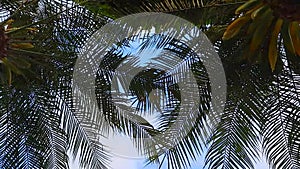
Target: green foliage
(267, 15)
(38, 123)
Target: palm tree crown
(258, 42)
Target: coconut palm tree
(263, 77)
(39, 42)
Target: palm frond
(281, 130)
(33, 132)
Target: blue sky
(123, 146)
(125, 163)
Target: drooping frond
(35, 130)
(281, 131)
(199, 12)
(234, 143)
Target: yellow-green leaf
(22, 45)
(273, 55)
(260, 11)
(261, 31)
(234, 28)
(10, 21)
(295, 33)
(32, 29)
(287, 38)
(254, 24)
(246, 6)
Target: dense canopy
(258, 42)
